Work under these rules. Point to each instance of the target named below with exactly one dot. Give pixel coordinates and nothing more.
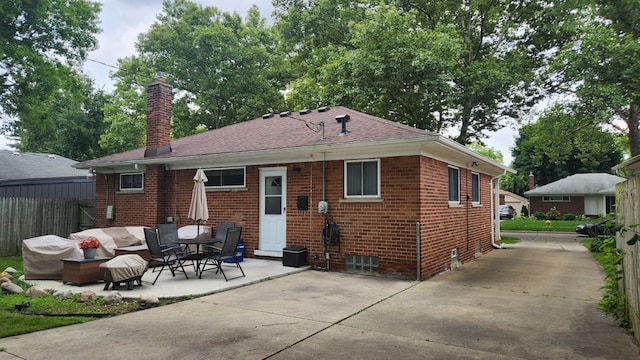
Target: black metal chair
(221, 233)
(218, 255)
(169, 257)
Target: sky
(123, 20)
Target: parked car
(507, 212)
(604, 227)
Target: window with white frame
(132, 181)
(362, 178)
(225, 177)
(556, 198)
(475, 188)
(454, 185)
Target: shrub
(524, 211)
(568, 216)
(553, 214)
(539, 215)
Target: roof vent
(304, 111)
(267, 116)
(285, 113)
(323, 109)
(343, 119)
(51, 156)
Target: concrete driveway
(534, 300)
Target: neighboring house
(580, 194)
(33, 175)
(389, 187)
(515, 200)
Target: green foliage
(40, 43)
(599, 68)
(430, 64)
(539, 215)
(563, 143)
(553, 214)
(485, 151)
(524, 211)
(613, 301)
(568, 216)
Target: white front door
(273, 216)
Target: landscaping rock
(4, 274)
(4, 280)
(148, 301)
(11, 288)
(36, 292)
(61, 294)
(10, 270)
(113, 298)
(87, 295)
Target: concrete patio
(256, 271)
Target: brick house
(388, 187)
(590, 194)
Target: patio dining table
(197, 255)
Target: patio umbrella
(198, 210)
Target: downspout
(495, 217)
(418, 254)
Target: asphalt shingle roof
(579, 184)
(17, 165)
(280, 132)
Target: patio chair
(221, 233)
(216, 256)
(168, 237)
(169, 257)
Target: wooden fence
(24, 218)
(629, 215)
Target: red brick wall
(575, 206)
(158, 114)
(444, 228)
(386, 229)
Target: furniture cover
(112, 238)
(41, 256)
(123, 268)
(191, 231)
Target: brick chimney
(532, 182)
(159, 98)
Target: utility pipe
(418, 253)
(495, 199)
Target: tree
(228, 68)
(600, 66)
(485, 151)
(560, 144)
(40, 42)
(430, 64)
(69, 124)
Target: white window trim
(244, 178)
(550, 196)
(453, 203)
(479, 192)
(377, 196)
(131, 189)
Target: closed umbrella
(198, 210)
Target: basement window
(225, 177)
(363, 264)
(131, 181)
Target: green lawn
(540, 225)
